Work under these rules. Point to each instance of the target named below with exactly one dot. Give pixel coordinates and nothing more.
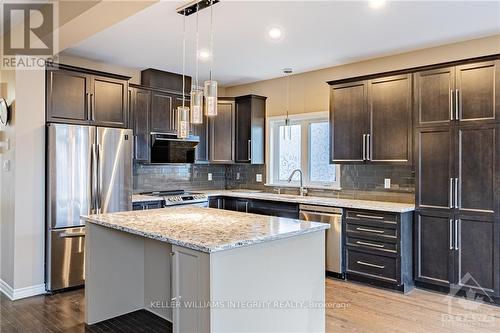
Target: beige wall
(134, 73)
(309, 91)
(23, 186)
(7, 208)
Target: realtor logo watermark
(29, 38)
(468, 305)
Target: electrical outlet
(387, 183)
(237, 176)
(209, 176)
(258, 178)
(6, 165)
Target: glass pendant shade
(210, 98)
(196, 105)
(182, 122)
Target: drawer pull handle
(370, 265)
(370, 244)
(371, 230)
(370, 216)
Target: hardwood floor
(354, 308)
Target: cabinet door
(162, 113)
(391, 124)
(477, 169)
(243, 124)
(201, 131)
(477, 255)
(434, 249)
(476, 85)
(109, 101)
(433, 96)
(221, 133)
(435, 168)
(190, 284)
(349, 122)
(68, 96)
(140, 111)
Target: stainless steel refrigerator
(89, 170)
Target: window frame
(304, 119)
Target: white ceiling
(318, 34)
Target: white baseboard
(15, 294)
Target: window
(303, 145)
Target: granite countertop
(204, 229)
(322, 201)
(145, 198)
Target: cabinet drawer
(382, 233)
(373, 245)
(381, 219)
(372, 265)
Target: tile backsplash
(364, 182)
(149, 177)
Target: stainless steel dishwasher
(333, 216)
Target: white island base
(273, 286)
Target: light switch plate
(209, 176)
(258, 178)
(387, 183)
(237, 176)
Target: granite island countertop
(204, 229)
(384, 206)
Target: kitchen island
(207, 270)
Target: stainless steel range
(175, 198)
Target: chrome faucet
(302, 189)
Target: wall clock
(4, 112)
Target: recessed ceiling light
(376, 4)
(204, 54)
(275, 33)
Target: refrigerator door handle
(98, 179)
(93, 180)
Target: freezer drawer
(65, 258)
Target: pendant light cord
(197, 44)
(183, 62)
(211, 37)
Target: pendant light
(287, 131)
(210, 86)
(196, 90)
(183, 111)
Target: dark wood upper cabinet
(81, 96)
(221, 132)
(465, 94)
(109, 102)
(390, 110)
(434, 96)
(140, 106)
(201, 131)
(371, 121)
(475, 93)
(434, 168)
(162, 112)
(250, 129)
(68, 96)
(349, 123)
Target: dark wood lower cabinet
(379, 248)
(434, 260)
(476, 255)
(457, 252)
